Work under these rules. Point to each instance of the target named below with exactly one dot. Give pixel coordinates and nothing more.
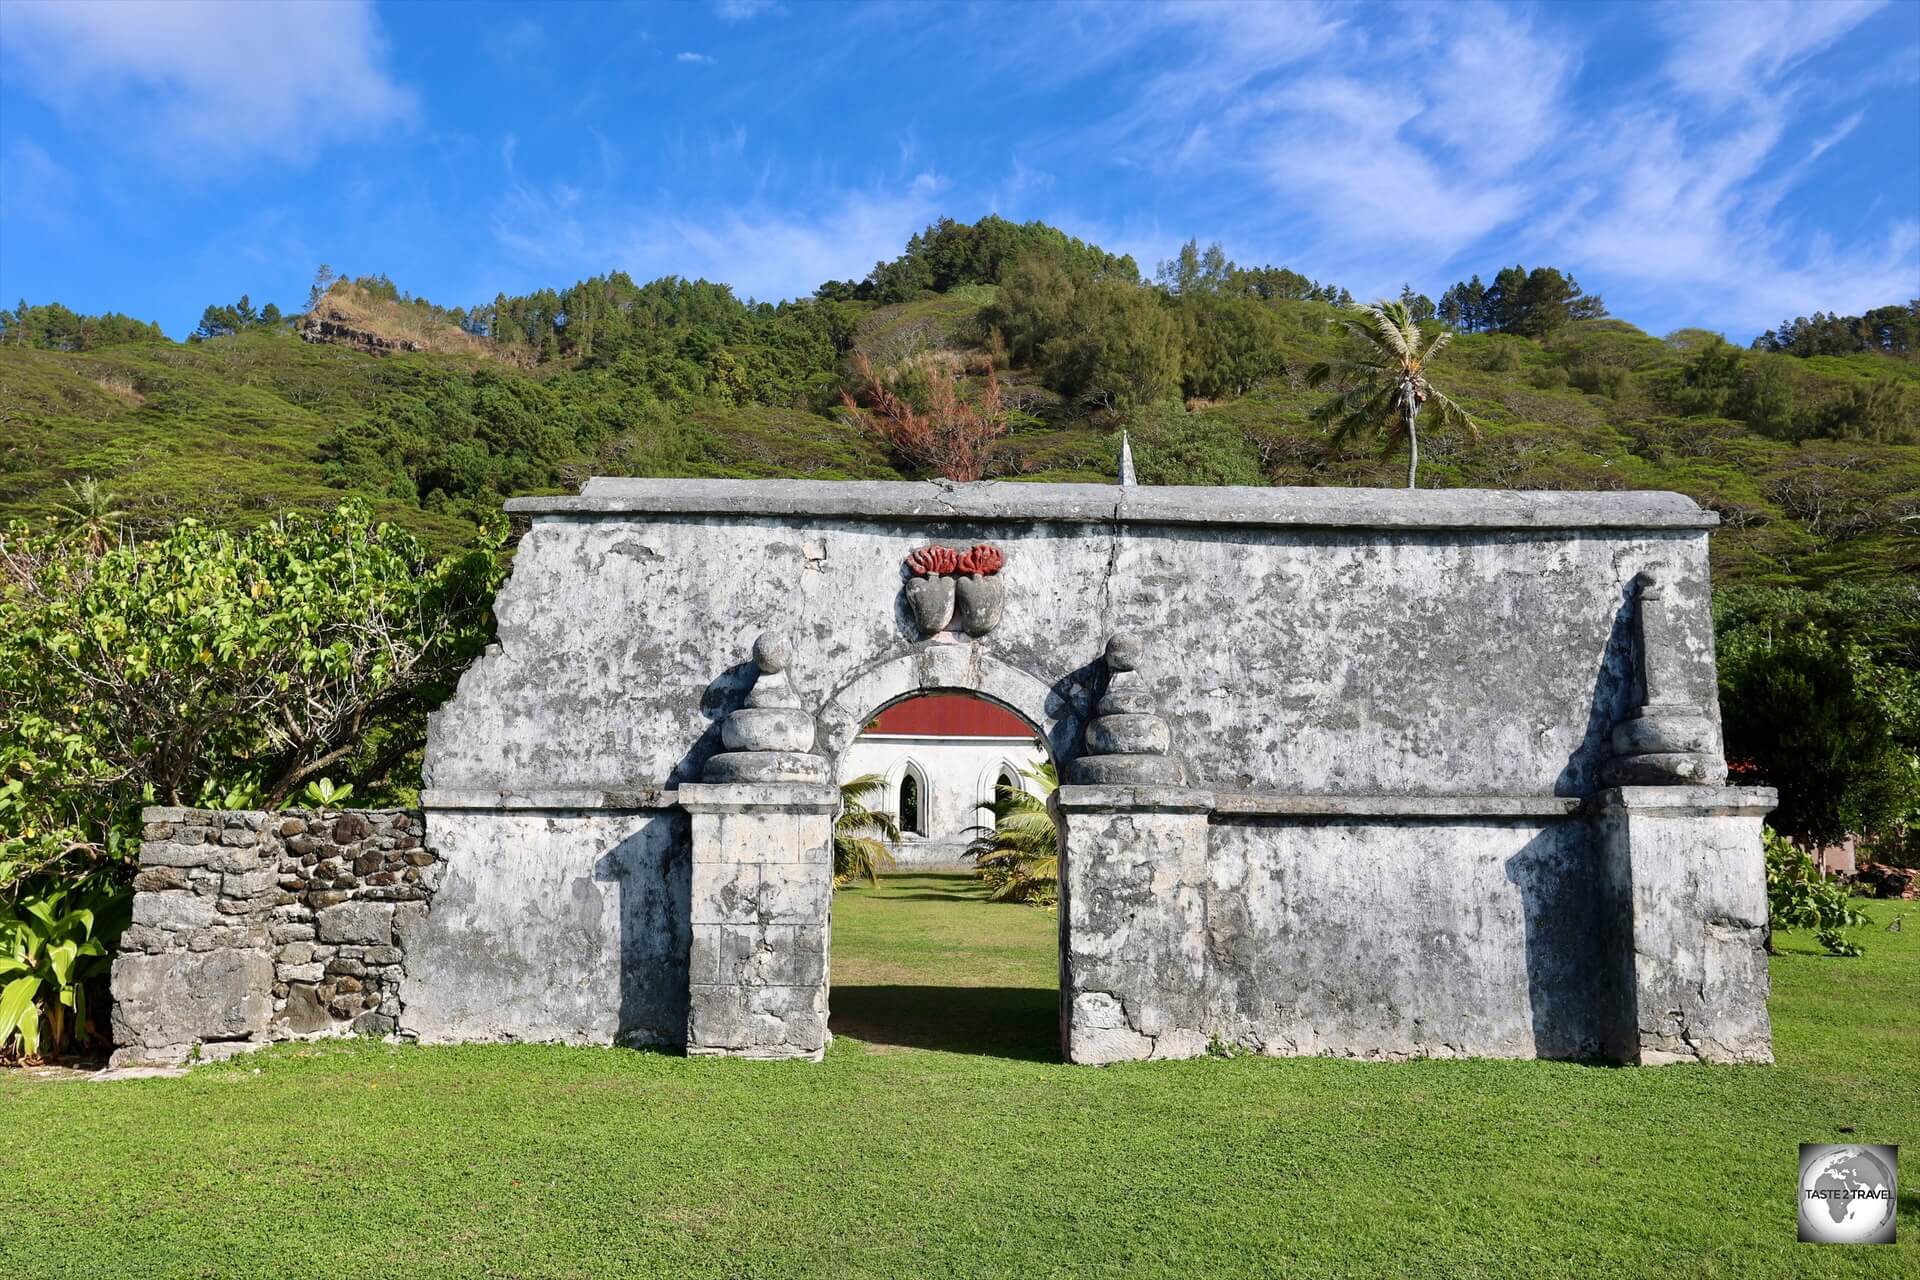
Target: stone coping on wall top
(748, 797)
(1689, 802)
(254, 818)
(995, 501)
(1230, 804)
(598, 799)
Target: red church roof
(951, 715)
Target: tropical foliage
(1820, 698)
(1800, 897)
(1382, 382)
(1019, 855)
(863, 838)
(210, 668)
(53, 959)
(203, 668)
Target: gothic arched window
(913, 805)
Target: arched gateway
(1356, 772)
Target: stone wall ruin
(252, 927)
(1367, 773)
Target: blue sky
(1725, 164)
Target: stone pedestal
(1133, 963)
(1688, 879)
(762, 886)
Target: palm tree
(1019, 855)
(862, 837)
(1385, 385)
(90, 515)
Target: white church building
(942, 756)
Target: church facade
(942, 756)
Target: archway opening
(946, 871)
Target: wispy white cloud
(1341, 151)
(34, 186)
(763, 250)
(514, 40)
(1683, 177)
(697, 58)
(1696, 193)
(1732, 53)
(209, 81)
(1017, 186)
(746, 10)
(1835, 136)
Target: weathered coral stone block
(1133, 884)
(1692, 899)
(165, 1004)
(761, 889)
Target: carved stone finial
(772, 653)
(770, 738)
(1665, 741)
(1127, 740)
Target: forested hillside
(235, 661)
(1807, 445)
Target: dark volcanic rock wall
(250, 927)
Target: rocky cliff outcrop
(322, 327)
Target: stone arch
(943, 668)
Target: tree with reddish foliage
(951, 437)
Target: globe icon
(1847, 1196)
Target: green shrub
(53, 962)
(213, 669)
(1548, 377)
(1815, 714)
(1502, 355)
(1172, 446)
(1799, 897)
(1599, 379)
(1764, 400)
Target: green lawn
(940, 1138)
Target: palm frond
(1019, 855)
(863, 838)
(860, 857)
(1383, 390)
(1387, 329)
(1361, 413)
(1449, 414)
(867, 784)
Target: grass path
(940, 1138)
